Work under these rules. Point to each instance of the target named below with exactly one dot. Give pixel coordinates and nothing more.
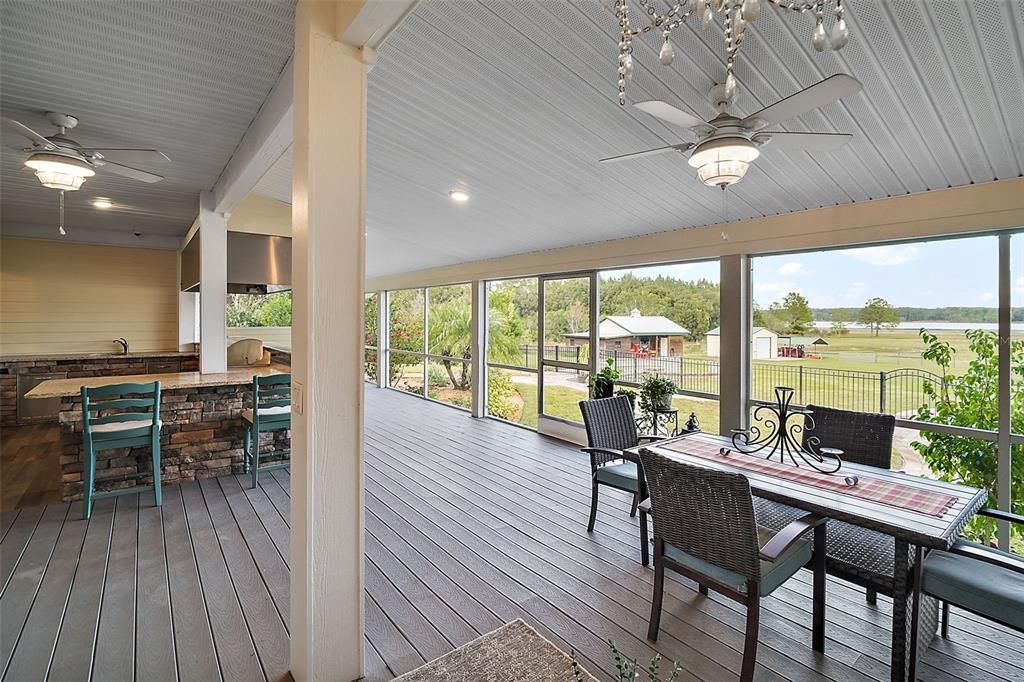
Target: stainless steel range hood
(257, 264)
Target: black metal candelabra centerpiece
(772, 431)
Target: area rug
(515, 652)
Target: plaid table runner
(889, 493)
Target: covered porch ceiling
(514, 103)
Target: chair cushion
(621, 475)
(117, 428)
(983, 587)
(773, 573)
(268, 412)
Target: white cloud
(775, 288)
(790, 269)
(855, 291)
(885, 255)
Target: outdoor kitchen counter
(91, 355)
(201, 435)
(63, 388)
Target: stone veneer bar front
(81, 365)
(201, 435)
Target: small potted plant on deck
(602, 385)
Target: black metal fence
(900, 392)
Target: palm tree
(451, 335)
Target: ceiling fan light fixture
(723, 161)
(58, 171)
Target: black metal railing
(899, 392)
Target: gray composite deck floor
(469, 524)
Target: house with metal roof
(650, 334)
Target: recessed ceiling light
(458, 195)
(102, 202)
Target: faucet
(124, 344)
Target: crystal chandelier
(735, 15)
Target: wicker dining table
(920, 514)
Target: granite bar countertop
(113, 355)
(64, 388)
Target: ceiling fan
(63, 164)
(727, 144)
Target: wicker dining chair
(611, 429)
(704, 529)
(854, 553)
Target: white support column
(478, 349)
(383, 340)
(734, 360)
(213, 287)
(1003, 471)
(328, 226)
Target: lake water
(937, 326)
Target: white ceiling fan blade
(670, 114)
(810, 142)
(649, 152)
(27, 132)
(128, 154)
(128, 171)
(818, 95)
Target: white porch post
(213, 287)
(478, 349)
(326, 621)
(734, 356)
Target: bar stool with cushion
(857, 554)
(270, 410)
(704, 529)
(611, 429)
(120, 422)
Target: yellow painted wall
(63, 297)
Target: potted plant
(656, 392)
(602, 384)
(629, 394)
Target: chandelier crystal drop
(735, 16)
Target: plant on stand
(656, 393)
(602, 384)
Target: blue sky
(960, 272)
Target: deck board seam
(35, 594)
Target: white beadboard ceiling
(514, 101)
(184, 76)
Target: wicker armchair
(611, 429)
(704, 529)
(857, 554)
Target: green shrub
(499, 394)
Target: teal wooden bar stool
(271, 410)
(120, 422)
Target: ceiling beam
(268, 136)
(270, 133)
